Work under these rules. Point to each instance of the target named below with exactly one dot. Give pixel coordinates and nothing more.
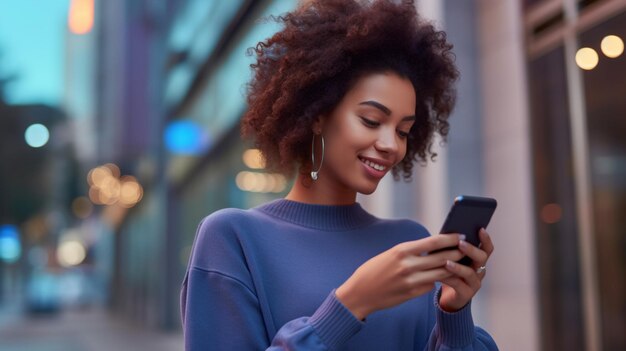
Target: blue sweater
(265, 278)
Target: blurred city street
(88, 329)
(120, 131)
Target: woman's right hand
(399, 274)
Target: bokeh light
(253, 158)
(71, 253)
(612, 46)
(81, 16)
(82, 207)
(587, 58)
(131, 191)
(37, 135)
(94, 195)
(113, 168)
(185, 138)
(108, 188)
(261, 182)
(10, 246)
(98, 175)
(551, 213)
(36, 228)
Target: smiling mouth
(373, 165)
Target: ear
(318, 124)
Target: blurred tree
(5, 79)
(34, 182)
(30, 178)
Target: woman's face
(366, 134)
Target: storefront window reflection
(555, 203)
(605, 90)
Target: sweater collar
(323, 217)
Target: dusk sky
(32, 40)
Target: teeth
(373, 165)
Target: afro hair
(303, 71)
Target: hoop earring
(314, 173)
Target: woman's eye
(403, 135)
(369, 122)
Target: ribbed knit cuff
(334, 323)
(455, 330)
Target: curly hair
(303, 71)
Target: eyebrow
(384, 109)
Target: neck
(320, 192)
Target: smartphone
(467, 215)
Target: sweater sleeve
(456, 331)
(221, 311)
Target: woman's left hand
(458, 290)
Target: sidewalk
(79, 330)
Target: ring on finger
(481, 269)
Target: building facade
(531, 128)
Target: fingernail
(462, 237)
(450, 264)
(463, 243)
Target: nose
(387, 142)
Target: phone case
(467, 215)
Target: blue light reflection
(186, 138)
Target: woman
(346, 92)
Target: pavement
(87, 329)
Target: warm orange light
(98, 176)
(82, 207)
(131, 191)
(108, 188)
(110, 191)
(261, 182)
(551, 213)
(115, 170)
(253, 158)
(587, 58)
(80, 19)
(612, 46)
(94, 195)
(280, 183)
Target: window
(605, 92)
(557, 233)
